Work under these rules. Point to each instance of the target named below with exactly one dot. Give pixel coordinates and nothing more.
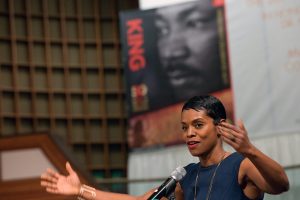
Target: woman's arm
(70, 185)
(101, 195)
(266, 173)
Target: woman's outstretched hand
(60, 184)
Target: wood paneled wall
(60, 71)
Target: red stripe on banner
(218, 3)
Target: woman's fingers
(232, 142)
(229, 126)
(55, 191)
(50, 176)
(240, 124)
(53, 173)
(236, 136)
(48, 184)
(49, 180)
(228, 133)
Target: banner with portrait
(170, 54)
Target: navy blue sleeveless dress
(225, 185)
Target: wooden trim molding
(30, 188)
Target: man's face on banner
(188, 47)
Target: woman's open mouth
(192, 144)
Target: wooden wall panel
(60, 72)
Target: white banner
(264, 48)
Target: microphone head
(178, 173)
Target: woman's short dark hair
(210, 104)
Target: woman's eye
(198, 125)
(184, 128)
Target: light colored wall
(24, 163)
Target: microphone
(169, 185)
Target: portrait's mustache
(180, 69)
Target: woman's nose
(190, 133)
